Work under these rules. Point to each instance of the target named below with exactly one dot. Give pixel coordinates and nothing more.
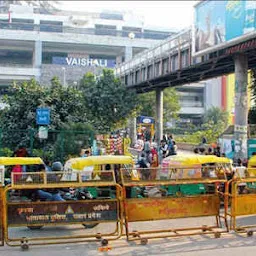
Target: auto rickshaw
(7, 175)
(194, 167)
(93, 165)
(249, 172)
(5, 162)
(94, 169)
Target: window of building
(12, 58)
(191, 101)
(4, 23)
(51, 26)
(111, 16)
(127, 30)
(152, 34)
(105, 30)
(22, 24)
(47, 56)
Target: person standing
(155, 162)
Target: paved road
(229, 244)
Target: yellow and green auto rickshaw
(94, 167)
(7, 162)
(194, 167)
(12, 173)
(249, 172)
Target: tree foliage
(65, 106)
(170, 104)
(252, 111)
(217, 116)
(215, 122)
(107, 101)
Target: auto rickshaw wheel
(204, 228)
(98, 236)
(217, 235)
(24, 247)
(135, 233)
(24, 244)
(104, 242)
(143, 241)
(90, 225)
(250, 233)
(178, 193)
(34, 227)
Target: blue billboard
(217, 22)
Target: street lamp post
(132, 121)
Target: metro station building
(40, 45)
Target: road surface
(229, 244)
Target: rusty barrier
(22, 211)
(242, 200)
(151, 195)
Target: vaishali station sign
(84, 62)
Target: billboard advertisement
(217, 22)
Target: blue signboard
(217, 22)
(145, 120)
(84, 62)
(43, 116)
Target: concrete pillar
(128, 53)
(241, 106)
(132, 121)
(118, 60)
(37, 54)
(159, 115)
(37, 57)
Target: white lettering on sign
(86, 62)
(146, 121)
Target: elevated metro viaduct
(171, 64)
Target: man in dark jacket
(52, 194)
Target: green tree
(215, 121)
(252, 111)
(108, 102)
(217, 116)
(171, 104)
(65, 104)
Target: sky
(165, 14)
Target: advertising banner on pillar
(218, 22)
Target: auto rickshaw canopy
(192, 160)
(20, 161)
(80, 163)
(252, 162)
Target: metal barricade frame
(30, 214)
(172, 207)
(1, 216)
(241, 204)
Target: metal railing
(90, 31)
(163, 48)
